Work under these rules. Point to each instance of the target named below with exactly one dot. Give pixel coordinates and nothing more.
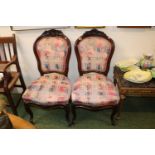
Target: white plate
(127, 63)
(138, 76)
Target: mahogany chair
(93, 90)
(10, 69)
(52, 50)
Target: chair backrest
(7, 48)
(94, 50)
(52, 50)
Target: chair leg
(67, 110)
(74, 114)
(121, 103)
(22, 83)
(19, 100)
(113, 115)
(29, 111)
(11, 102)
(23, 86)
(21, 76)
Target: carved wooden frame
(115, 108)
(66, 107)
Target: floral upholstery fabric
(95, 90)
(50, 89)
(52, 52)
(94, 53)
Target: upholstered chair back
(52, 50)
(94, 51)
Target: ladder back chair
(10, 74)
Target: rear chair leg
(73, 113)
(11, 103)
(67, 110)
(29, 111)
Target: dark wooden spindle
(4, 52)
(9, 50)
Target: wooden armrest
(4, 66)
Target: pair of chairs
(92, 91)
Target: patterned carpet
(138, 113)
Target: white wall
(129, 43)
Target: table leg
(122, 98)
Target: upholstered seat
(50, 89)
(94, 89)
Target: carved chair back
(52, 50)
(94, 50)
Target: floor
(138, 113)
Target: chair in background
(8, 63)
(93, 90)
(52, 50)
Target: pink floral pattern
(50, 89)
(94, 53)
(52, 52)
(95, 90)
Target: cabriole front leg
(115, 111)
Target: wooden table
(127, 88)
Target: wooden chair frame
(51, 33)
(94, 33)
(10, 57)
